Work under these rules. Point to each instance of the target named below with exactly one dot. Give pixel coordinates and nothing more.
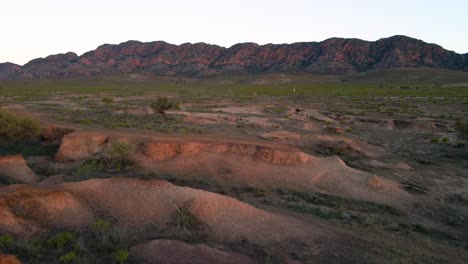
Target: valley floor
(258, 178)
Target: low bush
(14, 128)
(103, 243)
(462, 129)
(121, 256)
(184, 218)
(118, 156)
(60, 240)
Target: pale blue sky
(37, 28)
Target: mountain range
(332, 56)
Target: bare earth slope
(243, 163)
(140, 205)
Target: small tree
(108, 101)
(162, 104)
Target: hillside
(332, 56)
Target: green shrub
(60, 240)
(88, 167)
(13, 127)
(275, 110)
(118, 155)
(102, 230)
(435, 140)
(462, 128)
(184, 218)
(68, 258)
(5, 241)
(5, 180)
(162, 104)
(121, 256)
(108, 102)
(445, 140)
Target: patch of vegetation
(275, 110)
(28, 148)
(14, 128)
(462, 129)
(320, 199)
(108, 102)
(118, 156)
(121, 255)
(98, 117)
(101, 230)
(18, 210)
(68, 257)
(338, 149)
(184, 218)
(414, 187)
(89, 168)
(102, 244)
(458, 198)
(163, 104)
(5, 180)
(60, 240)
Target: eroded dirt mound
(245, 163)
(337, 142)
(177, 252)
(15, 167)
(138, 204)
(53, 132)
(161, 150)
(77, 146)
(25, 210)
(8, 259)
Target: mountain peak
(331, 56)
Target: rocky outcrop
(14, 167)
(332, 56)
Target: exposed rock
(178, 252)
(332, 56)
(15, 167)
